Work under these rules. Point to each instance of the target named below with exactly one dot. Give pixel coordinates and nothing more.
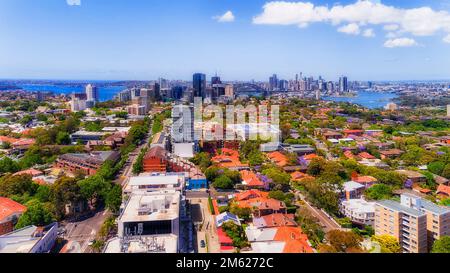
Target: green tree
(379, 192)
(388, 243)
(17, 185)
(442, 245)
(114, 198)
(7, 165)
(343, 241)
(37, 214)
(223, 182)
(63, 138)
(436, 167)
(94, 189)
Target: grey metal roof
(398, 207)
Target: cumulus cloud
(422, 21)
(73, 2)
(352, 29)
(369, 33)
(225, 18)
(400, 42)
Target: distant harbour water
(368, 99)
(105, 93)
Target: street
(81, 233)
(324, 219)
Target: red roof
(353, 131)
(278, 158)
(349, 155)
(250, 194)
(278, 220)
(251, 179)
(296, 241)
(31, 172)
(226, 243)
(366, 155)
(9, 207)
(443, 189)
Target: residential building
(10, 212)
(87, 164)
(84, 137)
(275, 220)
(284, 239)
(415, 222)
(353, 190)
(156, 182)
(155, 160)
(359, 211)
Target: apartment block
(415, 222)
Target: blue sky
(147, 39)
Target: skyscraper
(343, 84)
(91, 93)
(273, 82)
(199, 85)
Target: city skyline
(92, 40)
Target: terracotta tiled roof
(443, 189)
(366, 155)
(251, 179)
(296, 241)
(9, 207)
(275, 220)
(250, 194)
(31, 172)
(278, 158)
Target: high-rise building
(273, 82)
(199, 85)
(330, 87)
(343, 84)
(415, 222)
(229, 90)
(183, 124)
(216, 80)
(317, 94)
(92, 93)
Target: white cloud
(392, 27)
(352, 29)
(225, 18)
(447, 39)
(369, 33)
(422, 21)
(73, 2)
(400, 42)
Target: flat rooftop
(152, 206)
(143, 244)
(396, 206)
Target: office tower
(177, 92)
(92, 93)
(415, 222)
(215, 80)
(283, 85)
(343, 84)
(229, 90)
(163, 83)
(199, 85)
(330, 87)
(273, 82)
(317, 94)
(370, 84)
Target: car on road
(202, 244)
